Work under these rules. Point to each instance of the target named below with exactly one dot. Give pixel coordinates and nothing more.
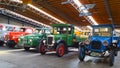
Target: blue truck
(101, 42)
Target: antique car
(32, 40)
(101, 44)
(4, 29)
(11, 39)
(60, 39)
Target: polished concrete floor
(18, 58)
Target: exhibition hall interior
(59, 33)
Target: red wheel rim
(61, 50)
(42, 49)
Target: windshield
(8, 28)
(41, 31)
(62, 30)
(27, 30)
(102, 31)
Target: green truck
(32, 40)
(60, 39)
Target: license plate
(95, 54)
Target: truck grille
(96, 45)
(50, 39)
(24, 41)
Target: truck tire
(116, 53)
(111, 58)
(42, 49)
(60, 50)
(1, 43)
(81, 54)
(11, 44)
(27, 48)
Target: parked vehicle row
(62, 36)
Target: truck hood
(61, 36)
(34, 35)
(16, 35)
(102, 39)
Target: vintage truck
(32, 40)
(11, 39)
(4, 29)
(102, 44)
(60, 39)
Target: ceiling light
(78, 28)
(93, 20)
(19, 1)
(34, 7)
(89, 27)
(85, 11)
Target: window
(28, 30)
(60, 30)
(96, 30)
(102, 31)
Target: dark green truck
(32, 40)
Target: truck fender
(61, 41)
(82, 44)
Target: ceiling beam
(109, 12)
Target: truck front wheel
(112, 58)
(81, 54)
(60, 50)
(10, 43)
(27, 48)
(1, 43)
(42, 49)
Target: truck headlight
(114, 41)
(53, 42)
(87, 41)
(30, 40)
(13, 37)
(105, 43)
(44, 41)
(19, 39)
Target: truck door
(69, 39)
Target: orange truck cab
(11, 38)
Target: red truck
(11, 38)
